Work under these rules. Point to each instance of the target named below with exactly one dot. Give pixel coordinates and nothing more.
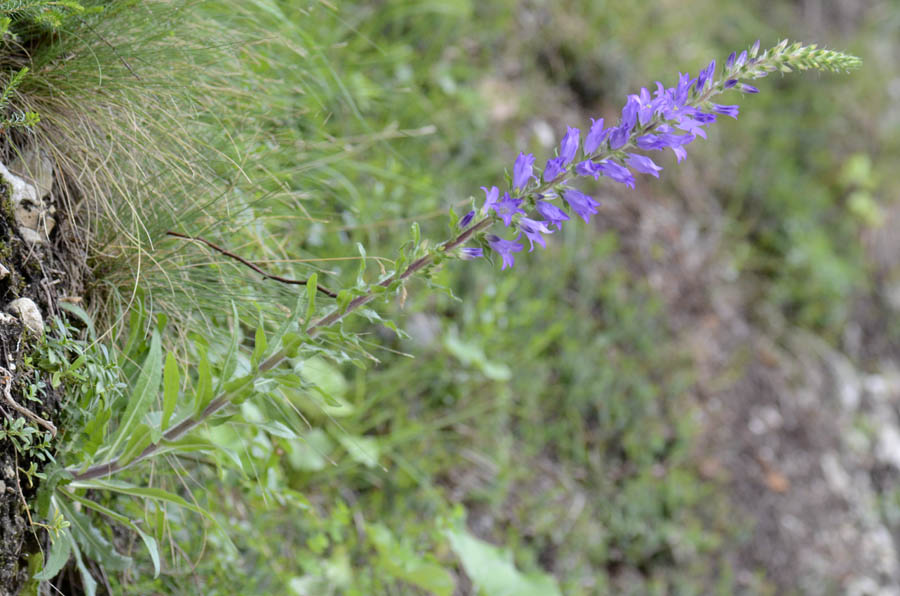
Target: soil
(801, 436)
(46, 274)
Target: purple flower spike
(705, 75)
(748, 88)
(596, 136)
(555, 167)
(754, 49)
(583, 205)
(588, 168)
(617, 172)
(533, 230)
(643, 164)
(466, 219)
(470, 253)
(569, 146)
(726, 110)
(490, 198)
(522, 170)
(507, 207)
(730, 62)
(553, 214)
(505, 248)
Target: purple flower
(596, 136)
(554, 168)
(533, 230)
(705, 75)
(583, 205)
(553, 214)
(647, 106)
(569, 146)
(470, 253)
(588, 168)
(522, 170)
(630, 112)
(617, 172)
(643, 164)
(618, 137)
(741, 59)
(507, 207)
(754, 49)
(466, 219)
(730, 62)
(490, 198)
(730, 83)
(726, 110)
(505, 248)
(748, 88)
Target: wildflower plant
(666, 118)
(540, 197)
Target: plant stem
(223, 399)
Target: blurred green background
(586, 412)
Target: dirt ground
(803, 437)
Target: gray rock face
(28, 312)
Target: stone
(4, 272)
(30, 197)
(36, 169)
(28, 312)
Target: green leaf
(362, 450)
(229, 364)
(141, 436)
(493, 571)
(401, 562)
(143, 492)
(171, 386)
(81, 315)
(149, 541)
(89, 538)
(145, 388)
(260, 345)
(152, 549)
(311, 284)
(204, 389)
(60, 550)
(87, 580)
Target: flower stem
(225, 398)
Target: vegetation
(472, 431)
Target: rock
(28, 312)
(30, 198)
(36, 169)
(4, 272)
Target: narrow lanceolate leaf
(171, 386)
(91, 541)
(149, 541)
(204, 376)
(145, 388)
(142, 492)
(260, 345)
(60, 549)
